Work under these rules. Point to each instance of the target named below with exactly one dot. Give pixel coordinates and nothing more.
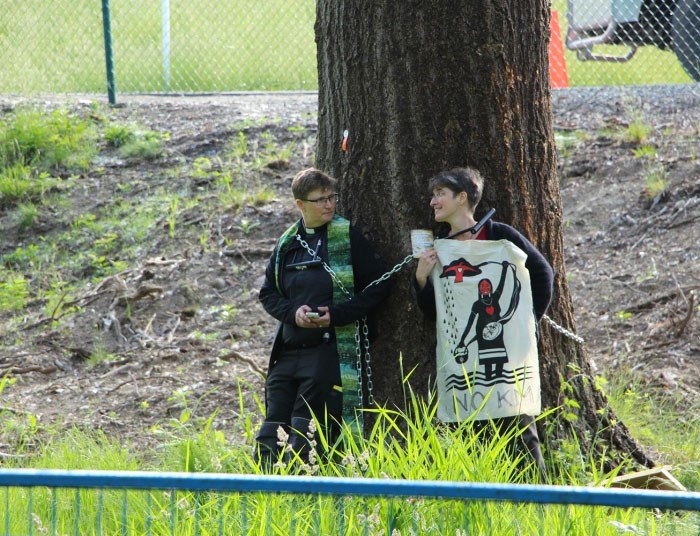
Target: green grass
(89, 245)
(400, 446)
(656, 181)
(645, 151)
(146, 145)
(638, 132)
(16, 184)
(13, 290)
(214, 46)
(664, 422)
(643, 69)
(46, 141)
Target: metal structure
(666, 24)
(223, 496)
(197, 46)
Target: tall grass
(401, 445)
(663, 420)
(213, 45)
(47, 141)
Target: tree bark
(422, 86)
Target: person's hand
(303, 321)
(427, 260)
(324, 320)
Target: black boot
(267, 448)
(531, 441)
(303, 438)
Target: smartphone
(312, 314)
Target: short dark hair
(466, 179)
(308, 180)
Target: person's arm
(541, 282)
(368, 266)
(425, 298)
(467, 329)
(422, 286)
(272, 300)
(426, 262)
(541, 273)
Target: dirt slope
(181, 324)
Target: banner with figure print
(487, 364)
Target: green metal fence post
(109, 57)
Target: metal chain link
(365, 329)
(397, 268)
(327, 268)
(563, 330)
(368, 365)
(207, 68)
(358, 361)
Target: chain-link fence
(617, 42)
(191, 46)
(182, 46)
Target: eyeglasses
(332, 199)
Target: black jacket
(367, 266)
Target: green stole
(340, 261)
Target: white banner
(487, 364)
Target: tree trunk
(424, 86)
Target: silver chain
(327, 268)
(358, 363)
(365, 330)
(396, 269)
(370, 383)
(563, 330)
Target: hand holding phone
(308, 317)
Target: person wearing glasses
(474, 348)
(314, 354)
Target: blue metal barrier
(207, 491)
(541, 494)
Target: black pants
(526, 442)
(301, 385)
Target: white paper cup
(421, 239)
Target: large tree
(421, 86)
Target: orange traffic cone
(557, 62)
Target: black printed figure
(488, 332)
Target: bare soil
(182, 325)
